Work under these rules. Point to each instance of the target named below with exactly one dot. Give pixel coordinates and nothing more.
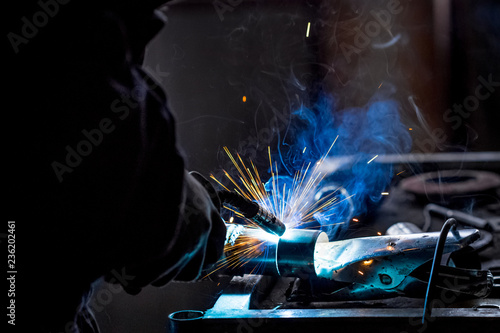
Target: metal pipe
(290, 255)
(295, 253)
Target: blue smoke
(363, 133)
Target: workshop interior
(354, 148)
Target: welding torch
(254, 212)
(251, 210)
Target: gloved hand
(197, 244)
(201, 217)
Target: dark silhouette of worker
(96, 183)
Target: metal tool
(361, 268)
(491, 224)
(485, 226)
(254, 212)
(251, 210)
(345, 270)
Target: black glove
(201, 214)
(196, 246)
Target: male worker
(100, 188)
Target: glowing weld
(290, 203)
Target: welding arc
(254, 212)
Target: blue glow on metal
(232, 301)
(262, 235)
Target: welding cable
(253, 211)
(450, 224)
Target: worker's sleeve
(95, 177)
(129, 208)
(170, 223)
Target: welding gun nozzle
(254, 212)
(269, 222)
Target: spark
(410, 129)
(292, 203)
(304, 150)
(213, 177)
(389, 248)
(385, 193)
(412, 249)
(232, 210)
(308, 28)
(379, 233)
(374, 157)
(355, 220)
(244, 99)
(361, 273)
(380, 85)
(400, 172)
(368, 262)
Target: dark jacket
(95, 177)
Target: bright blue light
(258, 233)
(364, 132)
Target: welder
(96, 193)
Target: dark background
(207, 61)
